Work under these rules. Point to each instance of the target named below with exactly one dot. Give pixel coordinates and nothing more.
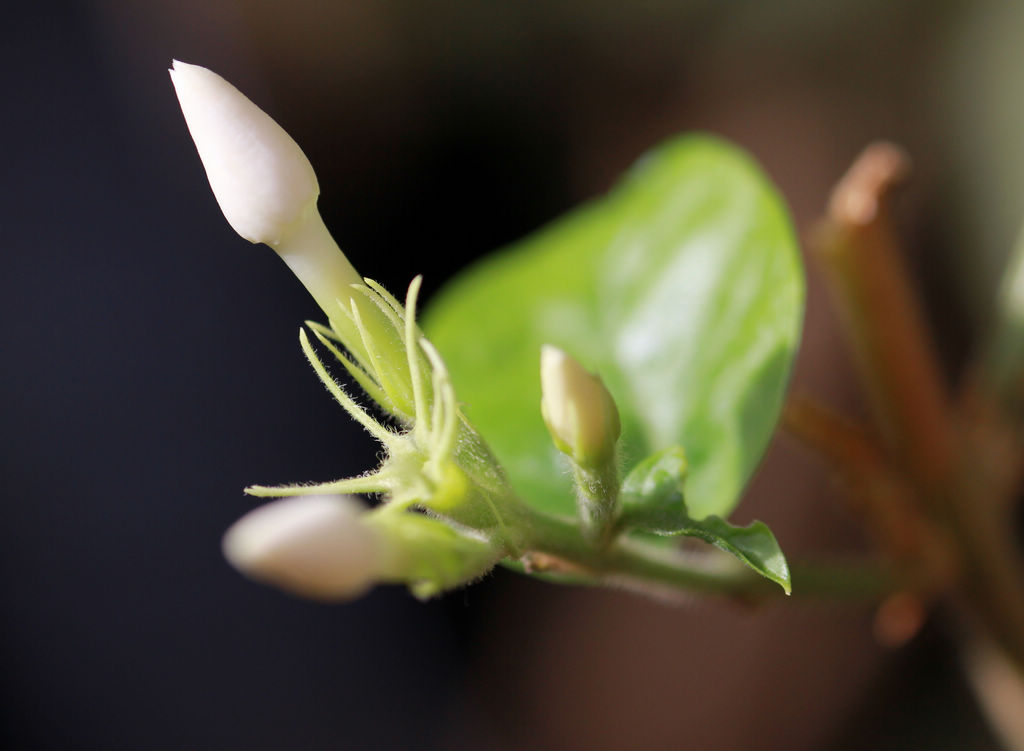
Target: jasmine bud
(265, 186)
(577, 408)
(313, 546)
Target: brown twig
(883, 499)
(921, 432)
(859, 253)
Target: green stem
(665, 571)
(597, 500)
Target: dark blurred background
(150, 366)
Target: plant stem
(556, 545)
(883, 319)
(900, 374)
(597, 500)
(885, 500)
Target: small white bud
(580, 413)
(263, 182)
(313, 546)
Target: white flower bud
(263, 182)
(580, 413)
(265, 186)
(313, 546)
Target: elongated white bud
(580, 413)
(264, 184)
(313, 546)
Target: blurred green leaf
(682, 287)
(653, 501)
(1003, 357)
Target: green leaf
(652, 500)
(682, 287)
(753, 544)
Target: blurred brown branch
(936, 485)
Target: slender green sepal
(374, 428)
(360, 376)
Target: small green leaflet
(652, 500)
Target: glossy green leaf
(652, 497)
(652, 500)
(682, 287)
(753, 544)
